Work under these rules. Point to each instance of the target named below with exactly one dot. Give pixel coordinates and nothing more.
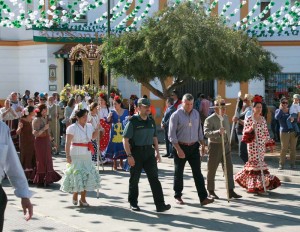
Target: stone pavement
(53, 210)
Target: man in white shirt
(11, 166)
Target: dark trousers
(3, 202)
(192, 155)
(145, 159)
(168, 144)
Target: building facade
(37, 60)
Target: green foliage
(187, 43)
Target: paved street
(53, 210)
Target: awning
(64, 51)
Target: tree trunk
(166, 90)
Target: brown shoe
(212, 195)
(179, 201)
(233, 194)
(206, 201)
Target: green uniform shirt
(139, 131)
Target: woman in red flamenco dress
(250, 177)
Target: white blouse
(81, 135)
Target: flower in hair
(102, 95)
(37, 110)
(116, 98)
(112, 95)
(257, 99)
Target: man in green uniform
(138, 138)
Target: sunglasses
(284, 102)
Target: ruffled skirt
(81, 175)
(251, 179)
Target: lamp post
(92, 56)
(108, 35)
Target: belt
(89, 146)
(143, 147)
(187, 144)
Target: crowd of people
(99, 129)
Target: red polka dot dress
(250, 176)
(103, 113)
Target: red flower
(257, 99)
(116, 98)
(102, 95)
(37, 110)
(112, 95)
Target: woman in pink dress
(27, 150)
(250, 177)
(45, 173)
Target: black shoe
(135, 207)
(170, 156)
(163, 208)
(166, 155)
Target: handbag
(248, 137)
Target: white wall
(128, 87)
(9, 70)
(287, 57)
(27, 67)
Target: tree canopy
(186, 43)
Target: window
(263, 5)
(281, 84)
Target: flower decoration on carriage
(257, 99)
(80, 106)
(25, 111)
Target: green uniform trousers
(144, 157)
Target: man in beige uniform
(54, 114)
(213, 131)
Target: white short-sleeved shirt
(81, 135)
(294, 109)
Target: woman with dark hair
(27, 150)
(287, 139)
(117, 118)
(81, 174)
(45, 173)
(103, 112)
(251, 177)
(36, 98)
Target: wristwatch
(129, 155)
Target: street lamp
(92, 56)
(108, 35)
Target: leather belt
(187, 144)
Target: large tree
(186, 43)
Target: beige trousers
(215, 157)
(288, 140)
